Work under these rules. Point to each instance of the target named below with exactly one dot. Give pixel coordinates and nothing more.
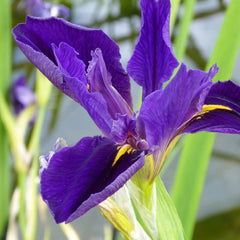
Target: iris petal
(74, 82)
(164, 111)
(218, 120)
(100, 80)
(122, 128)
(80, 177)
(153, 61)
(224, 117)
(226, 94)
(36, 36)
(21, 95)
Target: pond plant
(124, 164)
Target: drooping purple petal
(78, 178)
(153, 60)
(74, 81)
(36, 36)
(223, 116)
(222, 121)
(164, 111)
(225, 94)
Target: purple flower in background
(22, 96)
(85, 64)
(39, 8)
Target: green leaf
(180, 43)
(197, 150)
(190, 177)
(156, 213)
(174, 11)
(168, 222)
(5, 78)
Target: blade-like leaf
(180, 43)
(156, 213)
(5, 76)
(174, 11)
(197, 150)
(168, 222)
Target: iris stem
(21, 175)
(43, 91)
(33, 174)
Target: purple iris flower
(39, 8)
(85, 64)
(22, 96)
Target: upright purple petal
(78, 178)
(164, 111)
(75, 82)
(153, 60)
(36, 36)
(100, 80)
(201, 86)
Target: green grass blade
(5, 77)
(181, 40)
(190, 177)
(197, 150)
(174, 11)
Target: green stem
(32, 181)
(21, 214)
(15, 137)
(43, 91)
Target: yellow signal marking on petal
(88, 87)
(208, 108)
(211, 107)
(121, 151)
(205, 109)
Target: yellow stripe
(205, 109)
(208, 108)
(121, 151)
